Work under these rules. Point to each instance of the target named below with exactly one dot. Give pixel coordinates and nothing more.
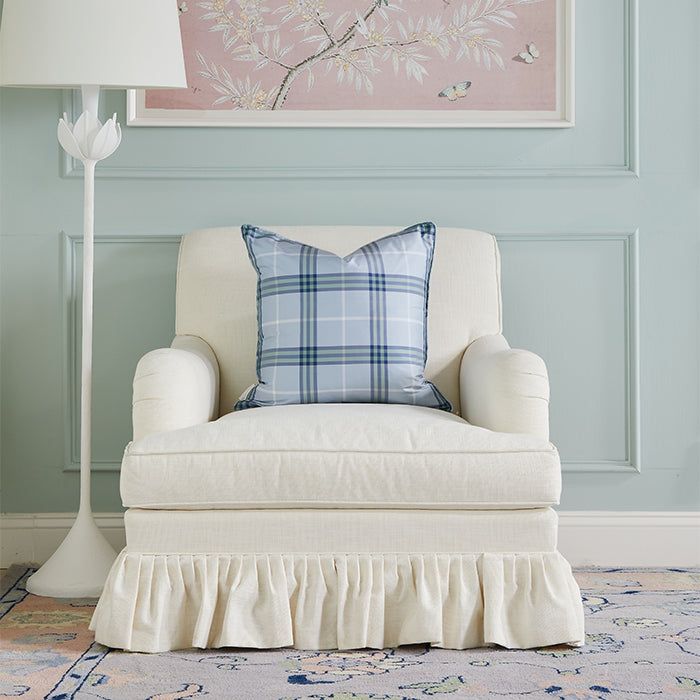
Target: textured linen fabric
(334, 530)
(334, 329)
(340, 456)
(175, 387)
(503, 388)
(155, 603)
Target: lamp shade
(110, 43)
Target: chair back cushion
(216, 297)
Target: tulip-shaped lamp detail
(89, 139)
(87, 44)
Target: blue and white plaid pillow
(350, 329)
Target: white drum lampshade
(88, 44)
(71, 43)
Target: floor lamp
(88, 44)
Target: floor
(643, 640)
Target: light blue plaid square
(342, 330)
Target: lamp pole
(80, 565)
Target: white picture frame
(138, 114)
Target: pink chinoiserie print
(430, 55)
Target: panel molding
(631, 73)
(629, 167)
(72, 244)
(630, 272)
(71, 284)
(586, 538)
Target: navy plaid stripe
(379, 384)
(342, 329)
(258, 299)
(345, 282)
(341, 355)
(308, 381)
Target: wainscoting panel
(134, 302)
(573, 298)
(549, 278)
(603, 143)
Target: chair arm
(175, 387)
(503, 389)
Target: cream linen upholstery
(154, 602)
(342, 456)
(503, 389)
(328, 530)
(342, 525)
(175, 387)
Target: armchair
(339, 525)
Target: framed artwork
(373, 63)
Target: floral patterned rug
(643, 640)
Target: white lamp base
(79, 567)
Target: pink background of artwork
(520, 86)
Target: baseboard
(33, 537)
(630, 538)
(586, 538)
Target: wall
(598, 227)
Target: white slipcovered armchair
(339, 525)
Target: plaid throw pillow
(350, 329)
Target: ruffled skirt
(159, 602)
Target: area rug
(643, 640)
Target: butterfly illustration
(531, 54)
(182, 8)
(459, 90)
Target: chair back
(216, 296)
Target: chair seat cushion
(340, 456)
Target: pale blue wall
(598, 227)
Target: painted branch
(291, 76)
